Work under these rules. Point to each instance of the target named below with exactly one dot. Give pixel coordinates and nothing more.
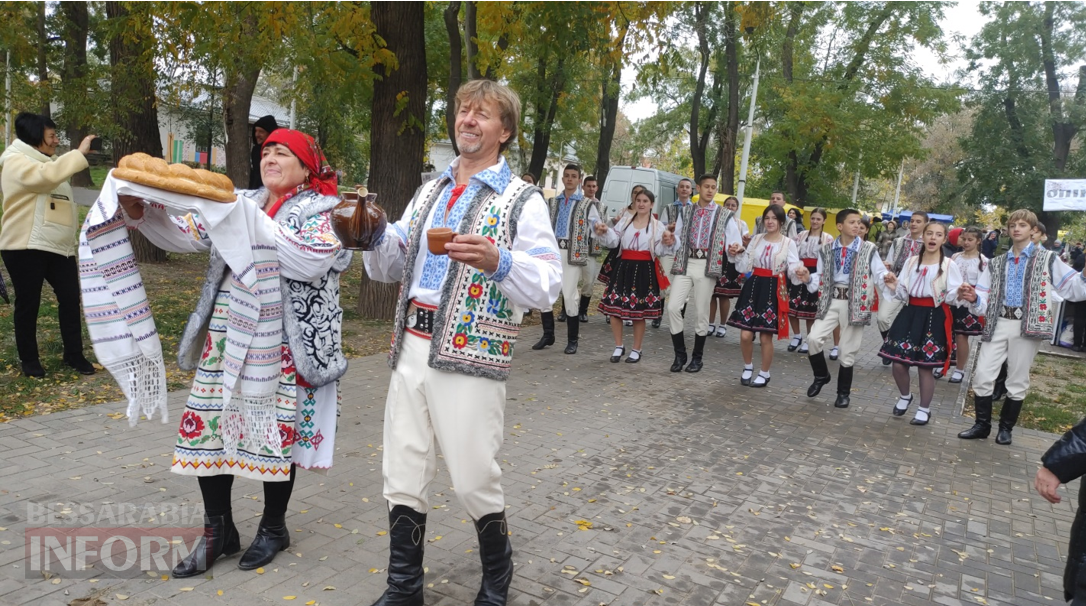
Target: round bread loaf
(179, 178)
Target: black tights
(927, 383)
(216, 492)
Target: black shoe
(585, 301)
(271, 537)
(656, 323)
(616, 358)
(695, 357)
(1008, 418)
(33, 369)
(821, 374)
(755, 383)
(80, 363)
(844, 387)
(900, 412)
(842, 401)
(573, 329)
(695, 364)
(562, 316)
(835, 353)
(745, 381)
(630, 359)
(917, 421)
(982, 428)
(406, 529)
(678, 340)
(548, 331)
(220, 539)
(887, 361)
(794, 345)
(496, 555)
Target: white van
(621, 179)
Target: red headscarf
(322, 178)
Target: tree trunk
(132, 90)
(541, 139)
(697, 142)
(395, 156)
(43, 66)
(730, 136)
(456, 74)
(612, 90)
(471, 39)
(73, 79)
(791, 168)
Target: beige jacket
(39, 208)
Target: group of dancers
(699, 256)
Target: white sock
(635, 355)
(749, 367)
(923, 411)
(796, 340)
(618, 350)
(763, 373)
(906, 400)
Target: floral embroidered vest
(475, 326)
(714, 265)
(861, 290)
(901, 255)
(1037, 320)
(582, 238)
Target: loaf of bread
(178, 178)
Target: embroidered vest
(901, 255)
(475, 326)
(672, 211)
(312, 316)
(861, 293)
(581, 243)
(714, 265)
(1037, 321)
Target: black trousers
(1080, 323)
(28, 269)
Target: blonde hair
(480, 91)
(1022, 215)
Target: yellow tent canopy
(754, 207)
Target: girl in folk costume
(802, 303)
(611, 260)
(633, 294)
(730, 283)
(762, 306)
(921, 333)
(974, 269)
(217, 442)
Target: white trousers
(466, 416)
(851, 336)
(694, 281)
(666, 263)
(888, 310)
(1007, 344)
(571, 278)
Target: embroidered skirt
(918, 337)
(802, 303)
(966, 323)
(633, 292)
(608, 266)
(306, 416)
(730, 283)
(756, 308)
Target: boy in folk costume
(849, 270)
(900, 251)
(704, 237)
(457, 319)
(573, 217)
(1018, 318)
(683, 192)
(590, 271)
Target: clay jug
(357, 221)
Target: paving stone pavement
(698, 491)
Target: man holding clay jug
(473, 250)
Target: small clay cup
(437, 237)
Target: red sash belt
(782, 300)
(948, 324)
(644, 255)
(810, 263)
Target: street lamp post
(747, 136)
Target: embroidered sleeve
(386, 261)
(534, 275)
(307, 254)
(1070, 284)
(172, 233)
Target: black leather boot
(982, 428)
(220, 539)
(844, 387)
(1008, 418)
(548, 331)
(821, 373)
(33, 368)
(585, 301)
(562, 315)
(663, 306)
(999, 391)
(885, 361)
(271, 537)
(573, 329)
(695, 357)
(79, 362)
(407, 529)
(496, 554)
(679, 341)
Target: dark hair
(972, 229)
(920, 213)
(844, 214)
(687, 179)
(776, 191)
(777, 212)
(731, 198)
(648, 194)
(572, 166)
(820, 211)
(706, 176)
(530, 176)
(1041, 228)
(799, 213)
(942, 255)
(591, 178)
(30, 128)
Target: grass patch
(1056, 398)
(173, 289)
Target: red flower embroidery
(475, 291)
(505, 348)
(1041, 318)
(207, 347)
(286, 434)
(191, 425)
(1044, 307)
(460, 340)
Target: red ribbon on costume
(644, 255)
(810, 263)
(948, 324)
(322, 179)
(782, 300)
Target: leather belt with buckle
(699, 253)
(840, 293)
(420, 319)
(1011, 313)
(563, 243)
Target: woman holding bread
(38, 235)
(298, 194)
